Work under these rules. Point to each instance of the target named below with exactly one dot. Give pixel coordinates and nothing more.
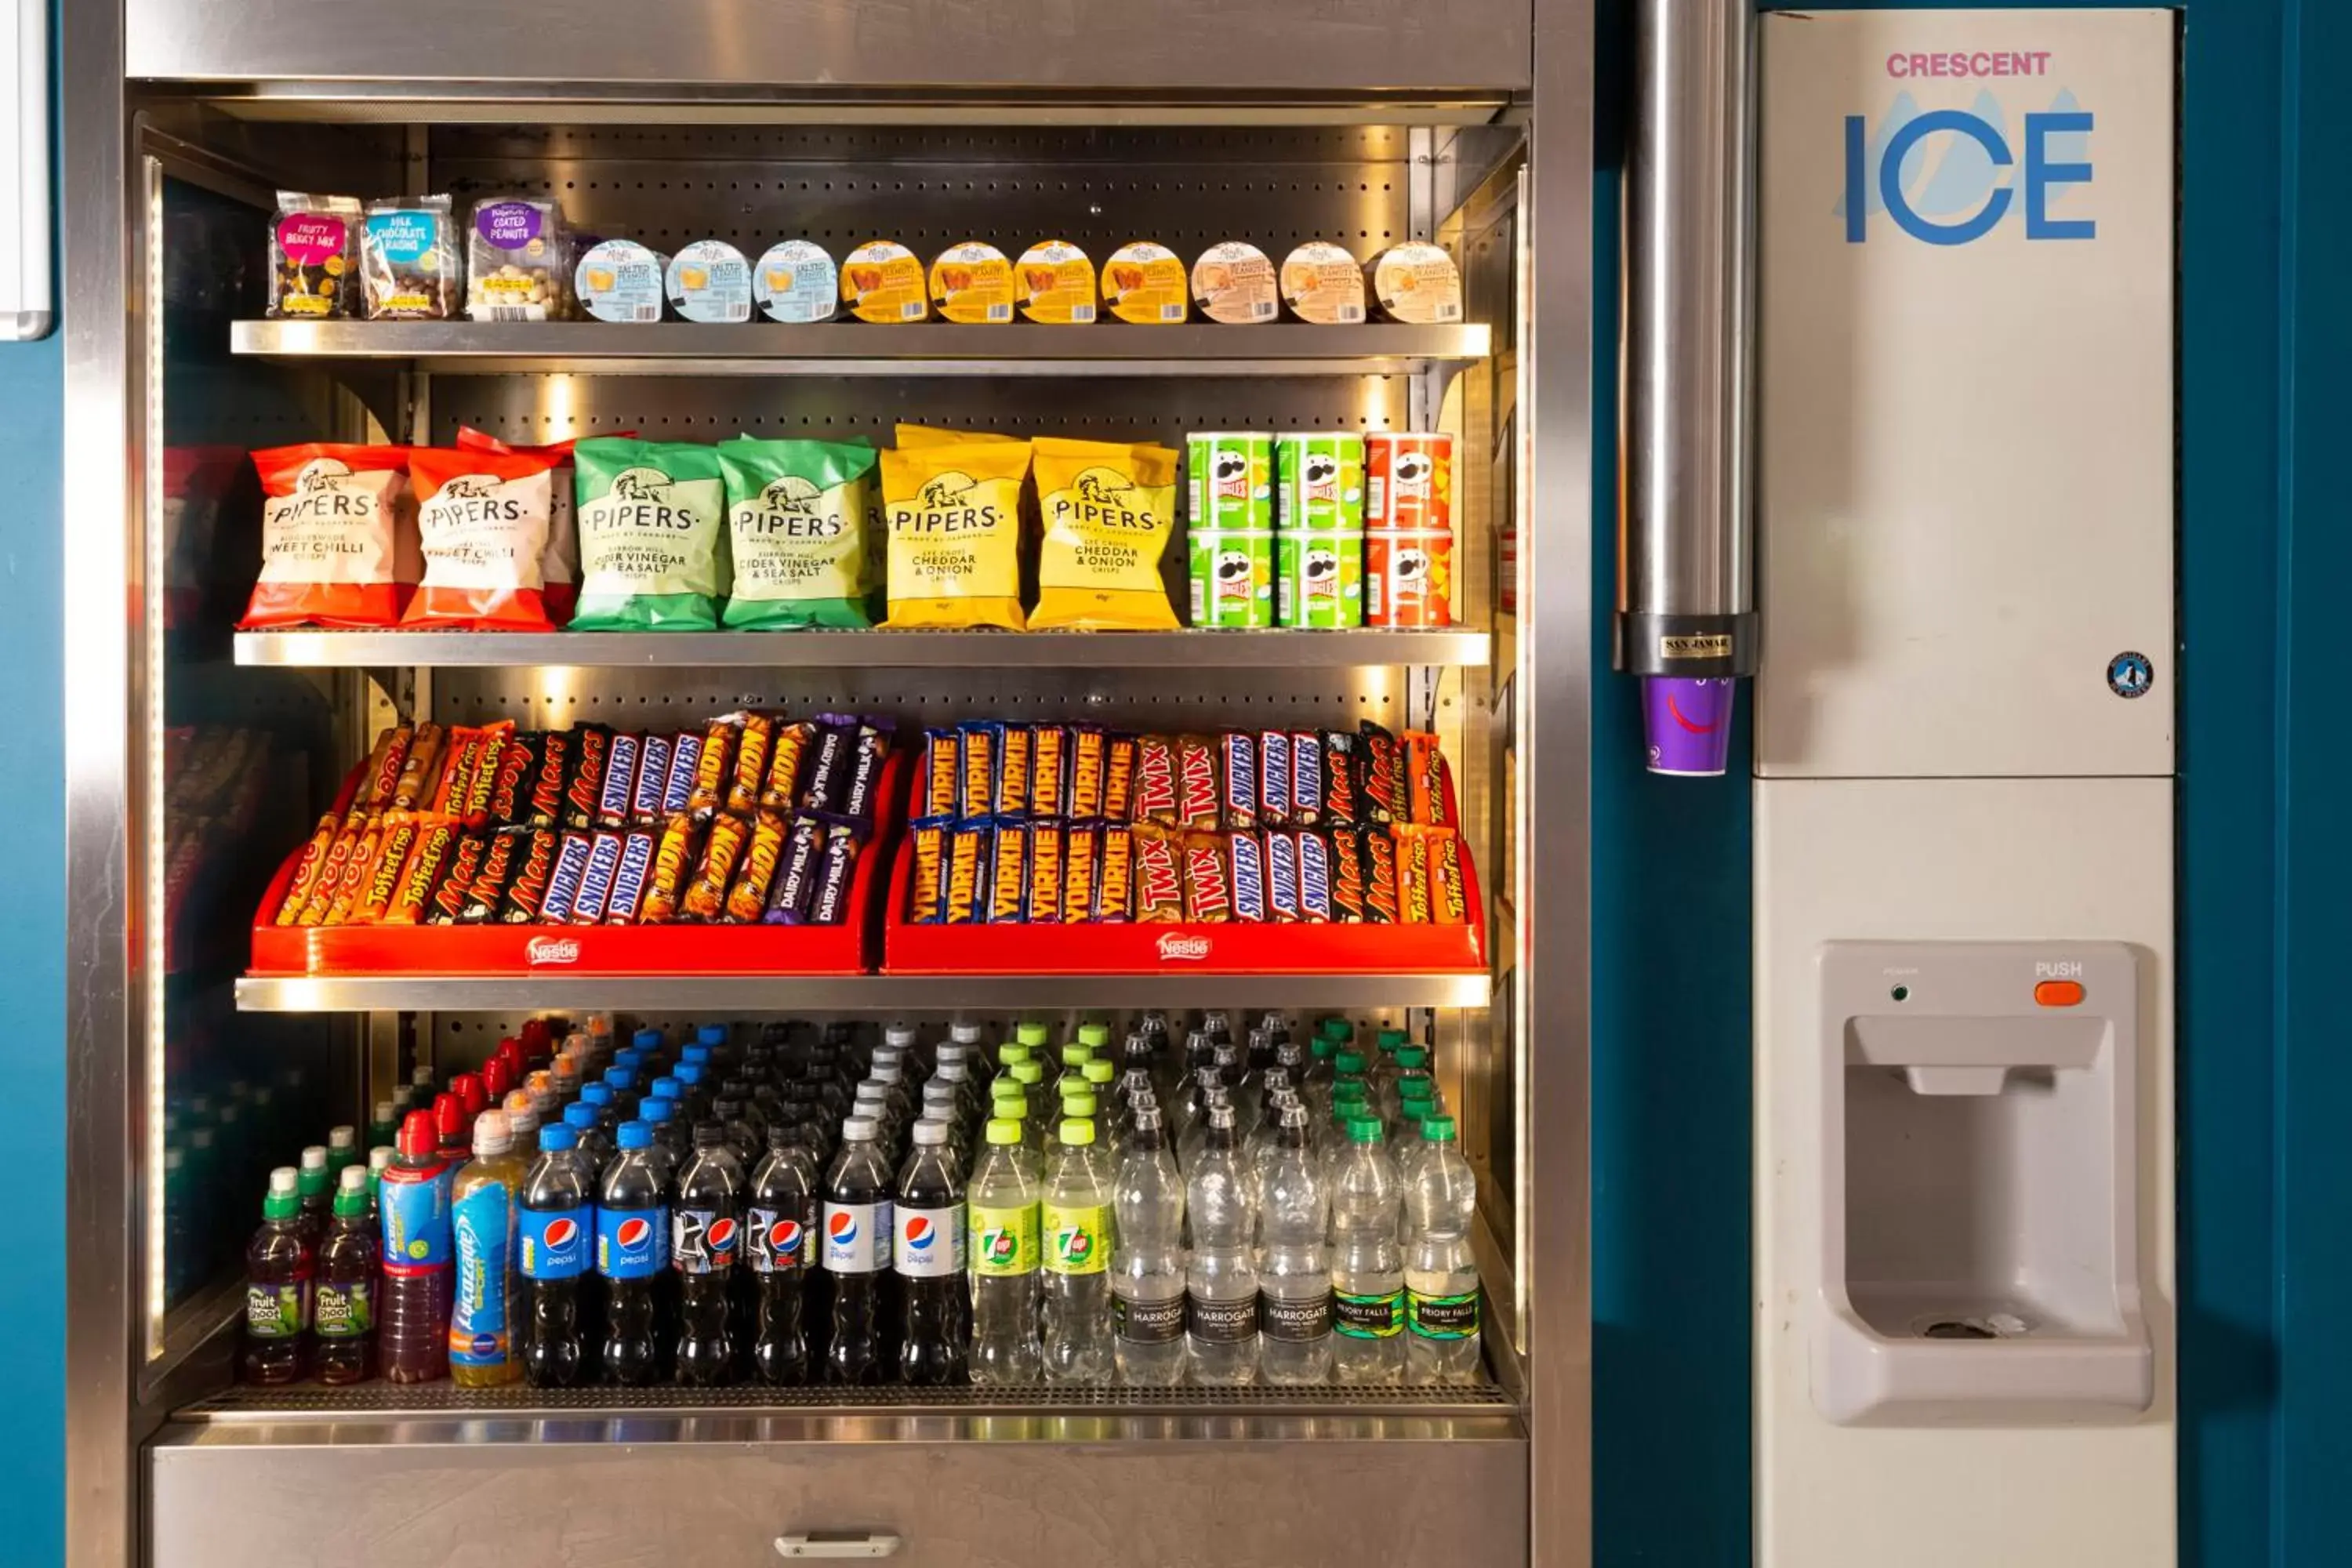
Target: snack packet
(559, 568)
(338, 537)
(408, 259)
(313, 246)
(652, 520)
(518, 261)
(954, 513)
(796, 518)
(481, 520)
(1109, 511)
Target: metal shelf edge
(867, 649)
(904, 992)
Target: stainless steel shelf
(383, 1402)
(838, 348)
(867, 650)
(897, 993)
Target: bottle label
(1077, 1240)
(929, 1242)
(631, 1244)
(1220, 1322)
(1004, 1241)
(776, 1240)
(343, 1309)
(277, 1311)
(555, 1243)
(1441, 1317)
(704, 1241)
(416, 1220)
(483, 1224)
(1294, 1319)
(1148, 1322)
(857, 1238)
(1368, 1317)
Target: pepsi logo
(552, 950)
(561, 1233)
(784, 1238)
(633, 1233)
(919, 1234)
(842, 1228)
(721, 1235)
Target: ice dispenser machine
(1978, 1259)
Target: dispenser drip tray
(1973, 1326)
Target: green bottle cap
(1413, 1057)
(1320, 1047)
(1095, 1036)
(1390, 1039)
(1009, 1054)
(1438, 1128)
(1333, 1028)
(1351, 1064)
(351, 1192)
(1003, 1129)
(1080, 1103)
(1009, 1095)
(1077, 1131)
(1033, 1035)
(1363, 1129)
(1028, 1073)
(1076, 1056)
(1350, 1092)
(1099, 1071)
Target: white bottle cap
(929, 1133)
(353, 1179)
(493, 1134)
(859, 1128)
(342, 1138)
(282, 1180)
(314, 1158)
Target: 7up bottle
(1076, 1231)
(1002, 1239)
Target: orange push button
(2058, 993)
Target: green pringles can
(1233, 576)
(1320, 580)
(1229, 479)
(1319, 479)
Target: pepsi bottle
(782, 1219)
(705, 1233)
(559, 1220)
(632, 1249)
(858, 1243)
(935, 1331)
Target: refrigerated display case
(197, 755)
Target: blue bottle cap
(710, 1035)
(656, 1109)
(667, 1088)
(554, 1140)
(633, 1059)
(698, 1055)
(635, 1135)
(578, 1118)
(689, 1074)
(621, 1077)
(646, 1039)
(597, 1094)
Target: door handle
(839, 1543)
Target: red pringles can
(1408, 528)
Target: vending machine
(500, 273)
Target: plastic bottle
(929, 1255)
(413, 1209)
(343, 1306)
(594, 1147)
(858, 1237)
(379, 1159)
(1294, 1259)
(631, 1252)
(1074, 1222)
(1004, 1256)
(1367, 1266)
(1220, 1278)
(482, 1216)
(672, 1139)
(1147, 1261)
(343, 1149)
(383, 1127)
(780, 1212)
(706, 1232)
(314, 1186)
(1208, 1092)
(558, 1219)
(279, 1265)
(1440, 1277)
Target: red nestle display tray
(1215, 948)
(849, 948)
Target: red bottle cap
(468, 1087)
(498, 1076)
(418, 1140)
(538, 1040)
(449, 1119)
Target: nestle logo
(1176, 945)
(552, 950)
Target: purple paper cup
(1687, 723)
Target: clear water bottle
(1441, 1278)
(1294, 1278)
(1003, 1252)
(1208, 1090)
(1146, 1264)
(1074, 1224)
(1220, 1276)
(1367, 1265)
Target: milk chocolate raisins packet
(652, 519)
(408, 259)
(313, 246)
